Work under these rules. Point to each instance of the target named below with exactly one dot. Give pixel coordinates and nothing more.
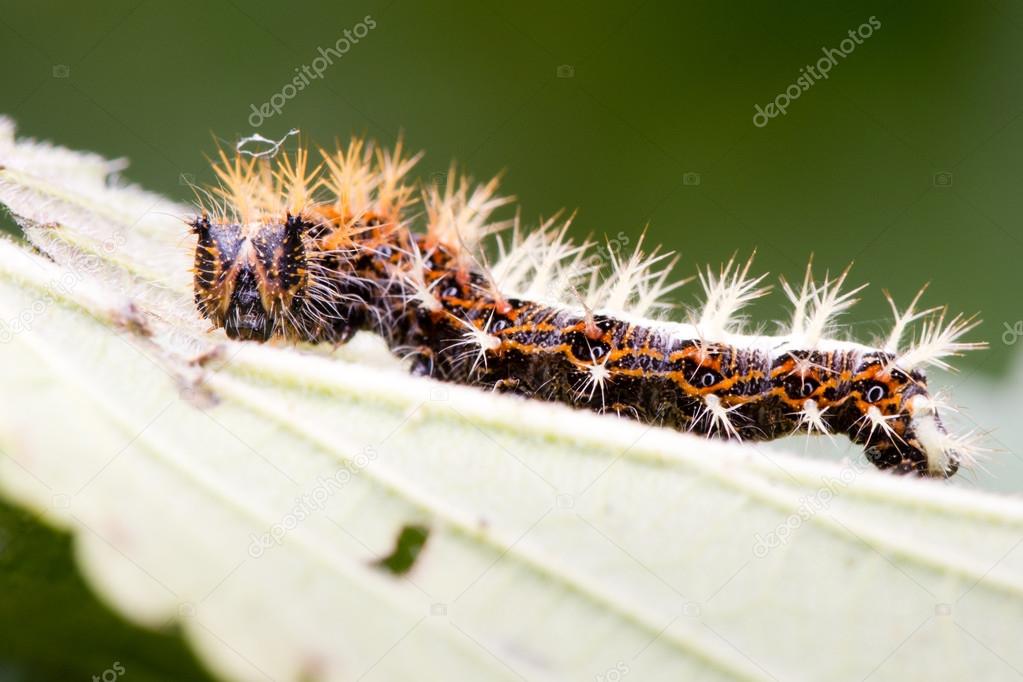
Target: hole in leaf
(406, 550)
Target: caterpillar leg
(623, 410)
(422, 363)
(507, 386)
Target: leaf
(45, 600)
(265, 497)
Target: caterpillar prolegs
(303, 251)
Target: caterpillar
(288, 248)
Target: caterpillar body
(289, 250)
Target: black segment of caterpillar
(285, 250)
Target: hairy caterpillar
(288, 249)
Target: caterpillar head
(896, 420)
(250, 279)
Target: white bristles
(816, 307)
(636, 284)
(479, 341)
(518, 255)
(656, 286)
(719, 416)
(938, 340)
(800, 301)
(934, 442)
(904, 319)
(415, 280)
(939, 445)
(546, 265)
(726, 294)
(967, 447)
(459, 218)
(877, 420)
(811, 417)
(595, 377)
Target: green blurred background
(906, 159)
